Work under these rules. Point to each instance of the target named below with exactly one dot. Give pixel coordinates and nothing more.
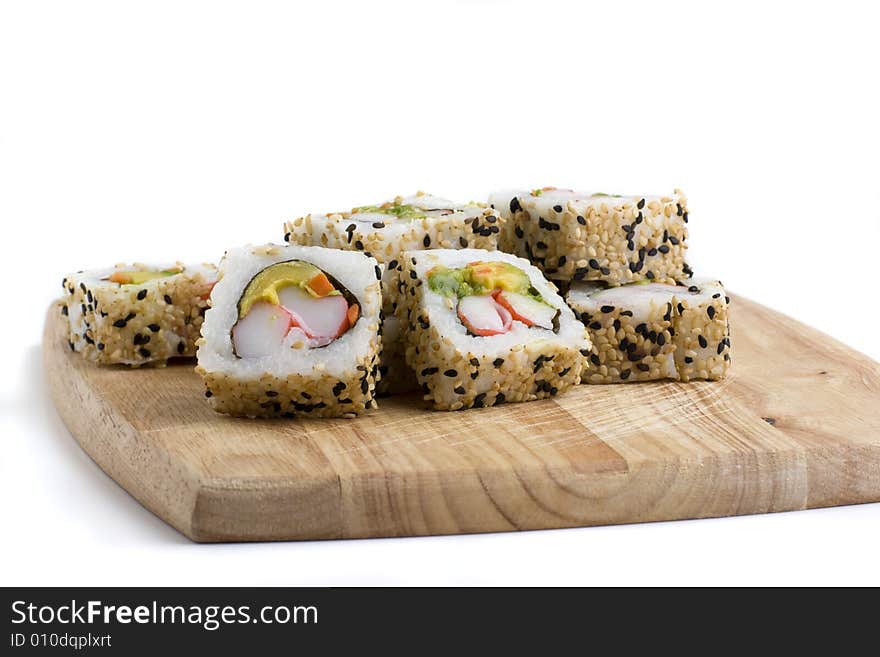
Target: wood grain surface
(796, 425)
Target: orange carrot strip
(320, 285)
(120, 277)
(353, 313)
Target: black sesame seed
(475, 362)
(594, 359)
(100, 346)
(625, 374)
(338, 388)
(378, 224)
(595, 325)
(688, 359)
(581, 220)
(518, 231)
(661, 339)
(703, 342)
(141, 295)
(120, 323)
(674, 240)
(64, 310)
(474, 375)
(70, 344)
(428, 371)
(585, 352)
(286, 237)
(562, 260)
(607, 309)
(498, 362)
(640, 204)
(605, 270)
(514, 205)
(711, 312)
(557, 208)
(644, 368)
(499, 399)
(564, 372)
(662, 249)
(143, 351)
(652, 252)
(458, 390)
(168, 299)
(378, 273)
(450, 373)
(463, 242)
(479, 400)
(208, 394)
(359, 245)
(427, 241)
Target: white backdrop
(177, 129)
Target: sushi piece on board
(397, 377)
(644, 332)
(137, 314)
(573, 236)
(484, 327)
(384, 231)
(292, 330)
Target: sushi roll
(384, 231)
(484, 327)
(573, 236)
(137, 314)
(650, 331)
(292, 330)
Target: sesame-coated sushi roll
(137, 314)
(292, 330)
(574, 236)
(650, 331)
(384, 231)
(484, 327)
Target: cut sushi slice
(385, 230)
(137, 314)
(292, 331)
(644, 332)
(466, 347)
(575, 236)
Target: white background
(158, 131)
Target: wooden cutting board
(795, 426)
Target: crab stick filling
(292, 296)
(492, 296)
